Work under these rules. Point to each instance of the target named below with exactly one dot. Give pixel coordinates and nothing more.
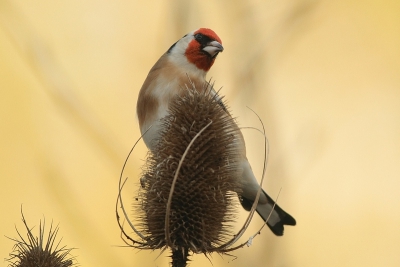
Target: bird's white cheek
(187, 67)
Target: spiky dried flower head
(192, 178)
(36, 251)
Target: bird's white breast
(163, 91)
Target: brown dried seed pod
(202, 207)
(36, 251)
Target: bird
(191, 57)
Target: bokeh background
(324, 76)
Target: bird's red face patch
(196, 55)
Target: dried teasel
(189, 188)
(37, 251)
(197, 213)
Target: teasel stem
(180, 257)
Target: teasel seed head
(191, 180)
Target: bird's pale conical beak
(213, 48)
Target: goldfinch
(188, 60)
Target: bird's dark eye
(198, 36)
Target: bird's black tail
(278, 217)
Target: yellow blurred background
(324, 76)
